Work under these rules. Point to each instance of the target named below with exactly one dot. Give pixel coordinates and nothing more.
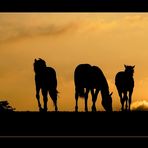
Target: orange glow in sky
(64, 40)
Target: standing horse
(91, 78)
(46, 81)
(125, 83)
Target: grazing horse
(125, 83)
(91, 78)
(46, 81)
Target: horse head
(107, 102)
(39, 65)
(129, 69)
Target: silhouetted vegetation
(5, 107)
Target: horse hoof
(41, 109)
(93, 109)
(76, 109)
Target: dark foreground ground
(71, 129)
(72, 124)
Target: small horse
(46, 81)
(124, 82)
(91, 78)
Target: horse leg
(55, 104)
(94, 98)
(38, 87)
(45, 99)
(93, 108)
(86, 98)
(130, 99)
(53, 95)
(38, 99)
(76, 98)
(121, 100)
(125, 98)
(39, 104)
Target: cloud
(14, 26)
(18, 31)
(140, 106)
(135, 18)
(29, 25)
(127, 22)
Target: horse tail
(57, 92)
(54, 94)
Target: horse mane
(102, 78)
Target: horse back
(88, 76)
(82, 75)
(51, 76)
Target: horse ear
(35, 60)
(125, 66)
(111, 93)
(133, 66)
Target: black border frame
(73, 6)
(17, 125)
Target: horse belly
(125, 85)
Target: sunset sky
(64, 40)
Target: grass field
(74, 124)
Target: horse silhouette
(124, 82)
(91, 78)
(46, 81)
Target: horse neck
(104, 88)
(128, 75)
(104, 92)
(41, 71)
